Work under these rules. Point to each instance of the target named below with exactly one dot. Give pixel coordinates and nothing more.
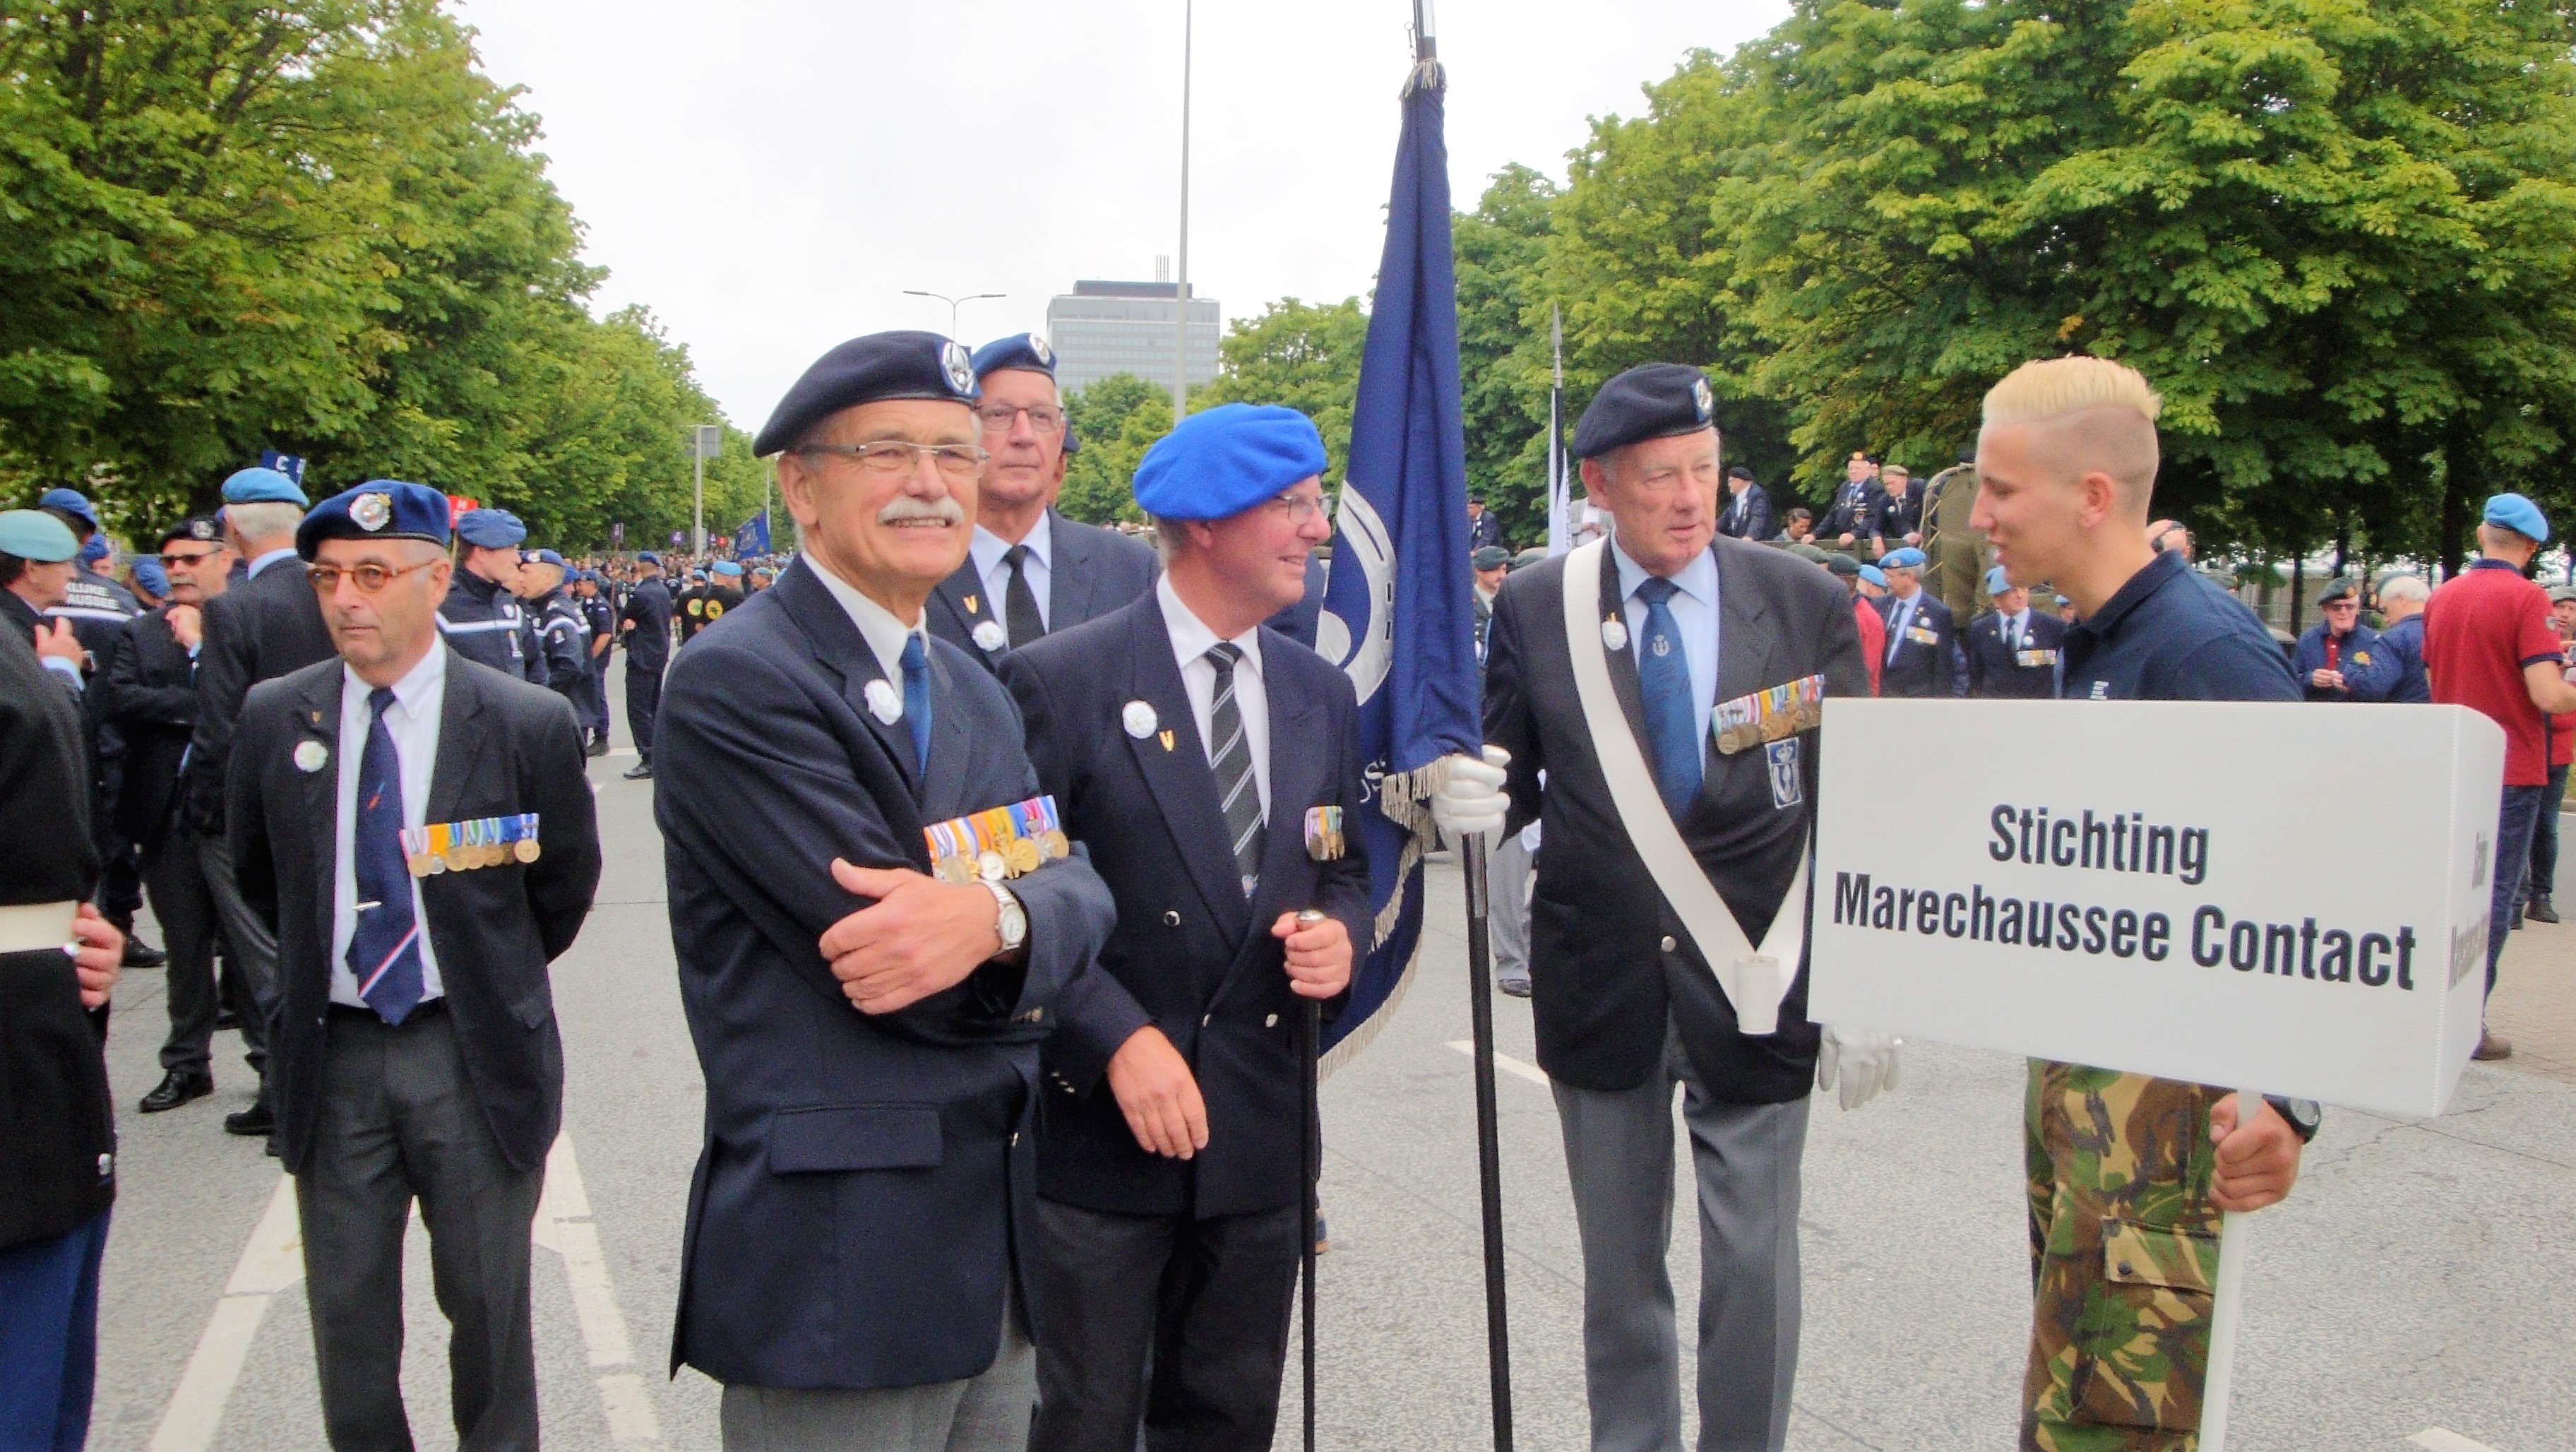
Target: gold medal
(945, 869)
(526, 850)
(418, 862)
(1056, 845)
(437, 864)
(1021, 855)
(456, 858)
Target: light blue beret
(726, 568)
(1874, 575)
(1222, 462)
(1996, 584)
(377, 509)
(1908, 558)
(2520, 515)
(262, 486)
(491, 529)
(154, 580)
(32, 534)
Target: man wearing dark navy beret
(855, 1263)
(1029, 570)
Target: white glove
(1863, 1060)
(1473, 802)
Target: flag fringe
(1360, 1037)
(1405, 798)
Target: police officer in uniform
(2067, 464)
(600, 616)
(1031, 570)
(1669, 670)
(645, 625)
(1213, 768)
(2338, 648)
(2012, 649)
(482, 616)
(563, 632)
(689, 607)
(724, 591)
(1922, 641)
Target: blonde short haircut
(2052, 388)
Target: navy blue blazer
(1092, 573)
(1190, 955)
(1995, 672)
(867, 1181)
(1747, 515)
(1916, 667)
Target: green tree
(1305, 356)
(1503, 365)
(1117, 418)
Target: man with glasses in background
(1029, 570)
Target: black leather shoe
(599, 747)
(640, 771)
(225, 1018)
(255, 1120)
(176, 1088)
(140, 954)
(2540, 909)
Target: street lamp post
(706, 441)
(1181, 289)
(953, 302)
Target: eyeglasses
(894, 456)
(370, 578)
(1299, 507)
(172, 562)
(998, 418)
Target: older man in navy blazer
(1212, 766)
(1029, 570)
(855, 1263)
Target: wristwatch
(1013, 924)
(2304, 1114)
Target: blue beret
(1222, 462)
(1874, 575)
(547, 557)
(647, 557)
(1019, 350)
(1996, 584)
(2512, 511)
(377, 509)
(726, 567)
(34, 535)
(70, 502)
(153, 579)
(95, 550)
(867, 370)
(262, 486)
(1650, 401)
(491, 529)
(1908, 558)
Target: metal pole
(1181, 288)
(1306, 1240)
(1489, 1153)
(698, 518)
(2225, 1300)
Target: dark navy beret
(491, 529)
(648, 558)
(1222, 462)
(1072, 440)
(1019, 350)
(262, 486)
(69, 501)
(868, 370)
(1650, 401)
(198, 528)
(377, 509)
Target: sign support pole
(2227, 1299)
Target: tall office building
(1101, 328)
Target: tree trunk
(2446, 556)
(2298, 588)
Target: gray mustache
(946, 511)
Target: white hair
(265, 519)
(2404, 587)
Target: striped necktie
(1231, 756)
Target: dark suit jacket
(1860, 517)
(1092, 572)
(150, 692)
(1485, 529)
(1298, 621)
(1190, 955)
(1917, 668)
(504, 747)
(260, 628)
(1992, 671)
(1604, 989)
(1754, 523)
(867, 1182)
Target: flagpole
(1560, 493)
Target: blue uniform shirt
(2354, 655)
(2169, 635)
(2396, 670)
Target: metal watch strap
(1008, 903)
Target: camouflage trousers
(2123, 1252)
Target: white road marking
(564, 1227)
(272, 1261)
(1504, 1062)
(2436, 1439)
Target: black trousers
(643, 704)
(175, 880)
(400, 1121)
(1208, 1298)
(250, 946)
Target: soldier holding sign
(2128, 1174)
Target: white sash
(1754, 981)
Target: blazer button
(1668, 944)
(1015, 1139)
(1171, 919)
(1270, 1020)
(1206, 1019)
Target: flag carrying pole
(1560, 492)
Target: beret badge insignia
(1702, 399)
(372, 512)
(1038, 346)
(959, 366)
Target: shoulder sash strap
(1754, 981)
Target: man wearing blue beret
(2012, 649)
(482, 617)
(96, 608)
(95, 604)
(866, 1012)
(599, 614)
(1923, 657)
(1697, 665)
(1030, 570)
(1212, 766)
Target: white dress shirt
(1191, 640)
(987, 551)
(885, 634)
(2016, 628)
(412, 721)
(1694, 607)
(266, 560)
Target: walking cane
(1309, 1152)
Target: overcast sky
(770, 175)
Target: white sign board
(2276, 897)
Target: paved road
(2418, 1279)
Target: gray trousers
(1619, 1156)
(399, 1120)
(250, 945)
(174, 878)
(1507, 920)
(984, 1413)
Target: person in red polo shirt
(2489, 645)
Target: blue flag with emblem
(1397, 614)
(753, 537)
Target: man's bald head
(2083, 415)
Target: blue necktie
(1663, 680)
(916, 700)
(384, 951)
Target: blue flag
(1398, 616)
(753, 537)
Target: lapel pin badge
(1139, 719)
(1614, 634)
(989, 635)
(883, 703)
(1166, 738)
(970, 604)
(310, 755)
